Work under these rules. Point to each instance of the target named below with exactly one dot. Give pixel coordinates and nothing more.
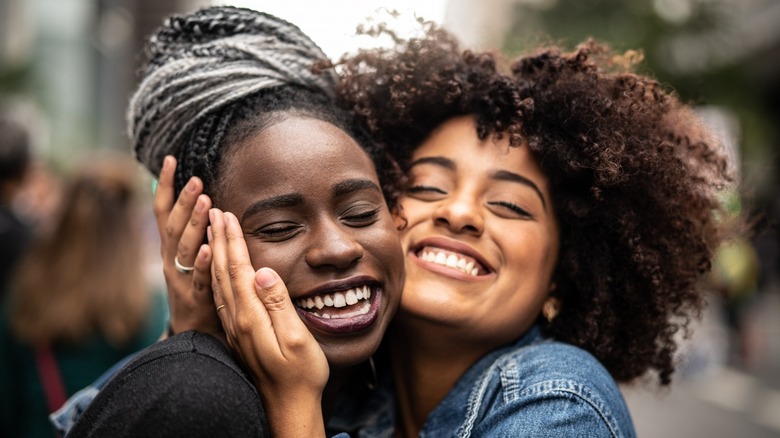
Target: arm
(186, 386)
(261, 323)
(182, 226)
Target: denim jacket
(534, 388)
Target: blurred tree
(724, 53)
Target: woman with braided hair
(231, 94)
(559, 219)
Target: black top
(188, 385)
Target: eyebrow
(281, 201)
(505, 175)
(353, 185)
(499, 175)
(295, 199)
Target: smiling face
(481, 241)
(308, 199)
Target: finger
(291, 333)
(250, 313)
(239, 265)
(179, 216)
(201, 276)
(194, 231)
(222, 280)
(163, 195)
(218, 269)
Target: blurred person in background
(79, 301)
(38, 199)
(15, 158)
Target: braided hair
(218, 75)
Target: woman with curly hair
(633, 176)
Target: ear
(550, 308)
(399, 218)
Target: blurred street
(719, 399)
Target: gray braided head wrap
(202, 62)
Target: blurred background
(67, 68)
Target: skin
(484, 202)
(337, 233)
(491, 203)
(323, 227)
(182, 225)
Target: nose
(460, 213)
(333, 245)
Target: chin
(347, 353)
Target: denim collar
(374, 415)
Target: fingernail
(209, 236)
(212, 215)
(167, 162)
(191, 185)
(200, 204)
(266, 277)
(231, 219)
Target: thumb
(272, 292)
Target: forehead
(296, 154)
(457, 140)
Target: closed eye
(513, 207)
(363, 219)
(277, 232)
(420, 189)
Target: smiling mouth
(349, 303)
(463, 263)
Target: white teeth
(339, 300)
(362, 309)
(450, 260)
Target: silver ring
(181, 268)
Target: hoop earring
(550, 309)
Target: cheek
(384, 244)
(414, 213)
(533, 248)
(279, 257)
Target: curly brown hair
(634, 176)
